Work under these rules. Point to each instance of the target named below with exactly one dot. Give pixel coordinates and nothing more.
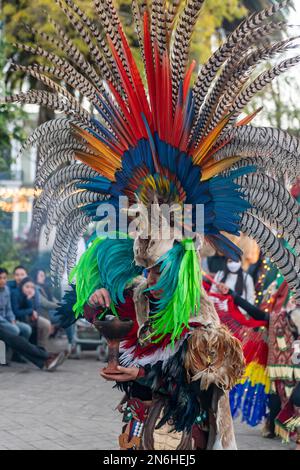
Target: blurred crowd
(28, 318)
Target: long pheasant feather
(150, 72)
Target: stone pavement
(72, 408)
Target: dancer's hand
(128, 374)
(100, 298)
(223, 288)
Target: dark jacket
(22, 307)
(12, 284)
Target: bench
(2, 353)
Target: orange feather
(98, 163)
(206, 144)
(211, 170)
(249, 118)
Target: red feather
(187, 79)
(168, 91)
(136, 78)
(123, 123)
(178, 121)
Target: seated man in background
(38, 356)
(19, 274)
(7, 318)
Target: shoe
(266, 432)
(54, 361)
(269, 435)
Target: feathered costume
(156, 139)
(270, 388)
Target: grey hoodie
(6, 312)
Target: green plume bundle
(87, 276)
(185, 301)
(107, 263)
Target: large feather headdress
(150, 135)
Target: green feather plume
(87, 276)
(185, 302)
(107, 263)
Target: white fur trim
(127, 358)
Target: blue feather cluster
(223, 202)
(249, 401)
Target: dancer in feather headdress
(272, 377)
(165, 142)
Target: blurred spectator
(235, 278)
(19, 274)
(48, 305)
(7, 318)
(215, 263)
(47, 302)
(25, 308)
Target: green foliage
(11, 122)
(13, 252)
(9, 115)
(12, 119)
(211, 19)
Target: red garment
(126, 310)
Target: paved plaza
(73, 408)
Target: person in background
(25, 308)
(7, 318)
(234, 278)
(215, 263)
(48, 306)
(19, 274)
(47, 302)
